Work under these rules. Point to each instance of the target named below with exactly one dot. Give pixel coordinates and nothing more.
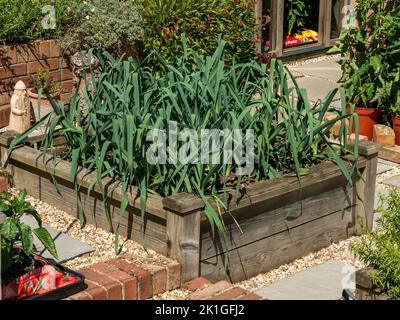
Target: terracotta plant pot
(367, 117)
(45, 106)
(396, 129)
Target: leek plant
(197, 92)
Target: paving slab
(322, 282)
(317, 88)
(67, 247)
(393, 181)
(383, 167)
(388, 163)
(328, 69)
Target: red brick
(8, 55)
(13, 71)
(5, 98)
(4, 115)
(27, 52)
(174, 272)
(113, 288)
(127, 282)
(48, 64)
(145, 286)
(7, 86)
(250, 296)
(83, 295)
(63, 63)
(66, 74)
(44, 49)
(95, 292)
(159, 277)
(230, 294)
(67, 86)
(195, 284)
(210, 291)
(54, 49)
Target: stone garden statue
(20, 116)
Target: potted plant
(380, 251)
(369, 61)
(41, 84)
(25, 275)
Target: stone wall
(18, 61)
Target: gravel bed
(102, 241)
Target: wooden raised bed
(279, 220)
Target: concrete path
(67, 247)
(322, 282)
(318, 78)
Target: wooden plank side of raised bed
(268, 221)
(321, 179)
(39, 185)
(34, 158)
(281, 248)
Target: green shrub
(20, 21)
(202, 21)
(14, 232)
(112, 25)
(371, 55)
(381, 249)
(197, 92)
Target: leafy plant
(381, 248)
(202, 21)
(297, 14)
(43, 80)
(115, 26)
(21, 21)
(13, 231)
(371, 54)
(196, 92)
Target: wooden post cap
(368, 148)
(183, 203)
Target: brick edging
(118, 279)
(202, 289)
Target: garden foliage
(381, 249)
(202, 21)
(14, 232)
(21, 20)
(197, 92)
(115, 26)
(371, 56)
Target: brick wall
(17, 62)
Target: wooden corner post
(183, 232)
(366, 186)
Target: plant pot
(50, 281)
(45, 105)
(368, 117)
(396, 129)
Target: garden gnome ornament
(20, 116)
